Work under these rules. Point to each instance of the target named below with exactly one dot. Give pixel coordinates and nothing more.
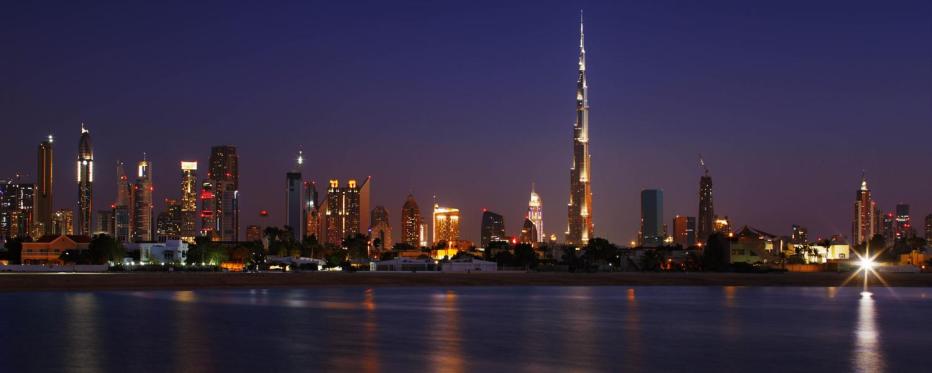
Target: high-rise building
(62, 223)
(208, 211)
(294, 204)
(188, 201)
(535, 213)
(580, 227)
(411, 230)
(800, 235)
(903, 226)
(864, 224)
(311, 210)
(44, 185)
(141, 217)
(528, 232)
(651, 234)
(380, 232)
(929, 229)
(85, 183)
(684, 231)
(342, 213)
(253, 233)
(103, 222)
(16, 208)
(168, 224)
(121, 223)
(224, 177)
(446, 225)
(706, 219)
(887, 226)
(493, 228)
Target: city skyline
(752, 184)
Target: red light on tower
(264, 213)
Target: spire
(83, 130)
(532, 188)
(581, 28)
(300, 158)
(863, 180)
(582, 44)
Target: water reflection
(867, 353)
(370, 327)
(191, 346)
(633, 351)
(447, 354)
(83, 351)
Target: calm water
(469, 329)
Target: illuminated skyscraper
(528, 232)
(188, 204)
(706, 219)
(380, 233)
(311, 210)
(16, 208)
(446, 225)
(208, 211)
(294, 204)
(342, 210)
(535, 213)
(62, 223)
(168, 224)
(411, 222)
(141, 217)
(684, 231)
(85, 183)
(44, 185)
(651, 234)
(493, 228)
(224, 177)
(580, 227)
(864, 225)
(903, 226)
(122, 207)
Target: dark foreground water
(470, 329)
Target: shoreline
(36, 282)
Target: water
(469, 329)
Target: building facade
(535, 213)
(705, 222)
(16, 209)
(411, 222)
(651, 233)
(684, 231)
(224, 179)
(141, 216)
(188, 201)
(380, 232)
(865, 222)
(62, 223)
(343, 210)
(580, 228)
(493, 228)
(446, 225)
(44, 186)
(311, 210)
(85, 183)
(294, 200)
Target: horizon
(736, 91)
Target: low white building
(468, 265)
(160, 252)
(404, 264)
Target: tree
(104, 248)
(357, 246)
(525, 256)
(717, 253)
(14, 249)
(651, 260)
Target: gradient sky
(472, 101)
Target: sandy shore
(177, 280)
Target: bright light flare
(866, 264)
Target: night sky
(472, 101)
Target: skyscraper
(411, 222)
(103, 222)
(122, 207)
(224, 176)
(706, 219)
(535, 213)
(380, 232)
(16, 208)
(929, 229)
(44, 185)
(903, 226)
(864, 224)
(85, 182)
(62, 223)
(168, 224)
(493, 228)
(684, 231)
(580, 227)
(208, 211)
(528, 232)
(343, 210)
(446, 225)
(294, 204)
(141, 217)
(651, 234)
(311, 210)
(188, 201)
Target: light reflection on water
(464, 329)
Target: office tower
(684, 231)
(902, 226)
(864, 224)
(888, 226)
(651, 234)
(85, 182)
(706, 219)
(528, 232)
(343, 210)
(62, 223)
(208, 211)
(311, 210)
(224, 177)
(800, 235)
(168, 223)
(380, 232)
(580, 227)
(446, 225)
(141, 216)
(493, 228)
(294, 204)
(16, 208)
(122, 227)
(44, 185)
(188, 205)
(103, 222)
(929, 229)
(535, 213)
(411, 230)
(253, 233)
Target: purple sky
(787, 100)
